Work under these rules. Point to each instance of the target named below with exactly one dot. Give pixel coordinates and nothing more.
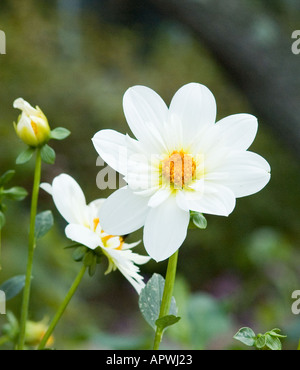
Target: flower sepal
(197, 220)
(90, 258)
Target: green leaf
(273, 343)
(43, 223)
(25, 156)
(59, 133)
(48, 154)
(13, 286)
(2, 219)
(246, 336)
(15, 193)
(150, 300)
(274, 333)
(166, 321)
(198, 220)
(6, 177)
(260, 341)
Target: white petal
(24, 123)
(245, 173)
(165, 229)
(123, 212)
(47, 187)
(114, 148)
(195, 106)
(124, 261)
(141, 175)
(215, 199)
(95, 206)
(159, 197)
(131, 245)
(83, 235)
(237, 131)
(140, 260)
(23, 105)
(69, 199)
(146, 114)
(92, 210)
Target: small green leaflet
(59, 133)
(43, 223)
(25, 156)
(48, 154)
(150, 302)
(13, 286)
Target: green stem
(31, 246)
(167, 296)
(62, 308)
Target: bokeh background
(75, 59)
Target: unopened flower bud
(32, 126)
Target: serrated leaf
(150, 300)
(6, 177)
(273, 343)
(166, 321)
(2, 219)
(59, 133)
(13, 286)
(245, 335)
(43, 223)
(25, 156)
(15, 193)
(48, 154)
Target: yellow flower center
(96, 223)
(105, 238)
(179, 169)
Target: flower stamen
(179, 169)
(96, 223)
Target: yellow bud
(32, 126)
(35, 331)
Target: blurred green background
(75, 59)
